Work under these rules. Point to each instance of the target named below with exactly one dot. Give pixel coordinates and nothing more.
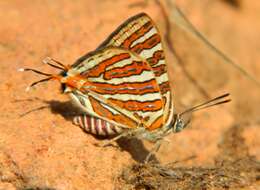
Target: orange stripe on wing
(137, 88)
(136, 68)
(137, 34)
(159, 70)
(103, 112)
(101, 67)
(165, 87)
(133, 105)
(157, 56)
(156, 124)
(147, 44)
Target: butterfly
(122, 87)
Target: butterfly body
(98, 127)
(117, 94)
(123, 85)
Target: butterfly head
(182, 120)
(61, 77)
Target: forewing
(120, 87)
(140, 35)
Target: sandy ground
(44, 150)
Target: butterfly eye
(63, 88)
(64, 73)
(179, 126)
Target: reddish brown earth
(43, 150)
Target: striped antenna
(213, 102)
(34, 70)
(47, 61)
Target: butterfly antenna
(33, 110)
(213, 102)
(49, 61)
(35, 71)
(37, 82)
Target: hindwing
(120, 87)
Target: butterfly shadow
(136, 149)
(134, 146)
(68, 110)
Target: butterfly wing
(140, 35)
(120, 87)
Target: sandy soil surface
(44, 150)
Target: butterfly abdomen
(96, 126)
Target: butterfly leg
(126, 133)
(111, 141)
(153, 150)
